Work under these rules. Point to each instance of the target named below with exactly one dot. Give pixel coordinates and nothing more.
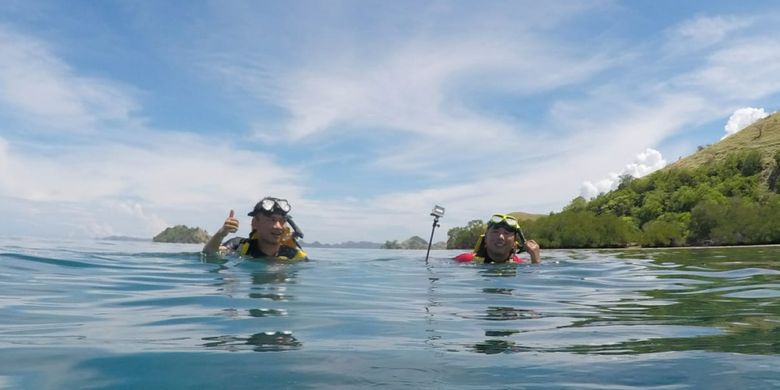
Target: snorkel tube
(297, 233)
(521, 247)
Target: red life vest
(471, 256)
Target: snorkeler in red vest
(270, 237)
(501, 240)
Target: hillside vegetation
(725, 194)
(762, 136)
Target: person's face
(269, 228)
(499, 239)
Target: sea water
(142, 315)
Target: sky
(123, 118)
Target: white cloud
(411, 90)
(418, 92)
(644, 163)
(422, 92)
(742, 118)
(131, 182)
(742, 70)
(183, 178)
(38, 88)
(707, 30)
(3, 152)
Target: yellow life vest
(289, 250)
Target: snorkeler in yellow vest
(270, 237)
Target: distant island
(183, 235)
(414, 242)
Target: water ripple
(370, 315)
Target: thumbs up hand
(230, 225)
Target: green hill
(727, 193)
(724, 194)
(183, 235)
(762, 136)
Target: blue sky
(122, 118)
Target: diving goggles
(269, 205)
(506, 220)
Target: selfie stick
(437, 212)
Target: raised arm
(212, 247)
(533, 250)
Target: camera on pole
(437, 213)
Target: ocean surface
(139, 315)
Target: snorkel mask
(508, 222)
(269, 205)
